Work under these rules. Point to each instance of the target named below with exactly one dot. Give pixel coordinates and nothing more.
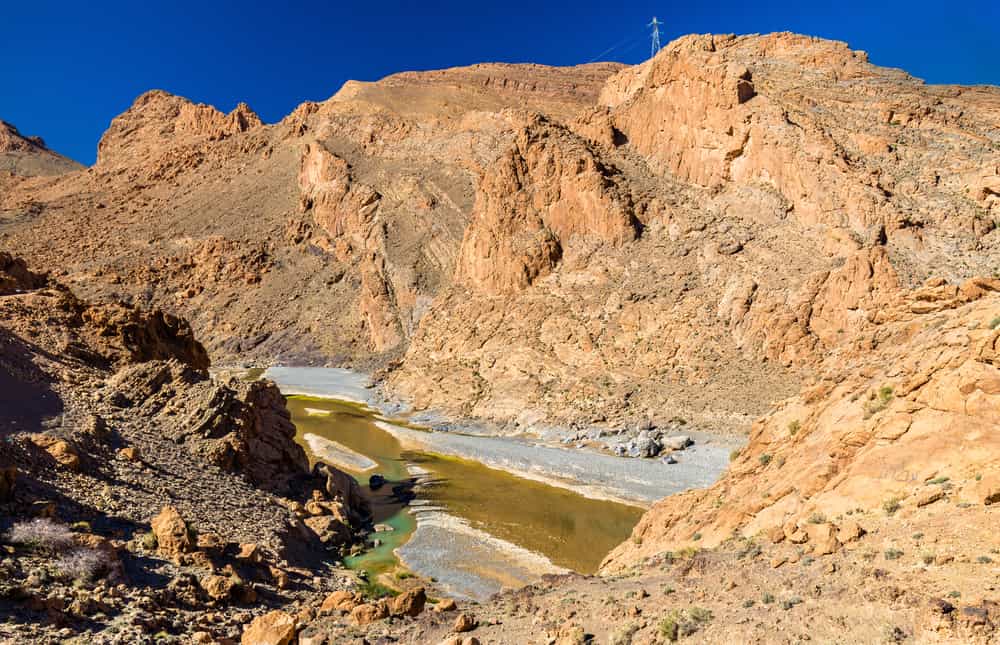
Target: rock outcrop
(504, 239)
(159, 120)
(23, 156)
(901, 417)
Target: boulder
(370, 612)
(59, 450)
(849, 531)
(329, 530)
(677, 442)
(217, 587)
(823, 538)
(128, 454)
(929, 497)
(340, 601)
(172, 535)
(273, 628)
(250, 552)
(409, 603)
(279, 577)
(644, 445)
(447, 604)
(465, 623)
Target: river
(489, 512)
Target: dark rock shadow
(27, 399)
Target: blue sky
(70, 67)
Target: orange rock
(465, 623)
(172, 535)
(408, 603)
(128, 453)
(340, 601)
(369, 613)
(822, 538)
(58, 449)
(273, 628)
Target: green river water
(571, 530)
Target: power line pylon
(656, 36)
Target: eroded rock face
(158, 117)
(911, 402)
(631, 240)
(548, 190)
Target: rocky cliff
(124, 464)
(22, 156)
(594, 245)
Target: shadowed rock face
(592, 244)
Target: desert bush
(878, 400)
(149, 541)
(893, 554)
(669, 627)
(791, 602)
(764, 459)
(891, 505)
(683, 623)
(84, 565)
(794, 427)
(42, 533)
(767, 599)
(995, 323)
(623, 636)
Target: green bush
(891, 505)
(794, 427)
(791, 602)
(764, 459)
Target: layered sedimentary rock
(900, 417)
(521, 243)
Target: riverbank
(490, 512)
(584, 469)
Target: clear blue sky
(69, 67)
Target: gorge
(507, 290)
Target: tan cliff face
(23, 156)
(157, 120)
(595, 244)
(545, 190)
(909, 405)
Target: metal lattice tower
(656, 36)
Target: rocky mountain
(122, 461)
(28, 156)
(764, 234)
(725, 213)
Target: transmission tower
(656, 36)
